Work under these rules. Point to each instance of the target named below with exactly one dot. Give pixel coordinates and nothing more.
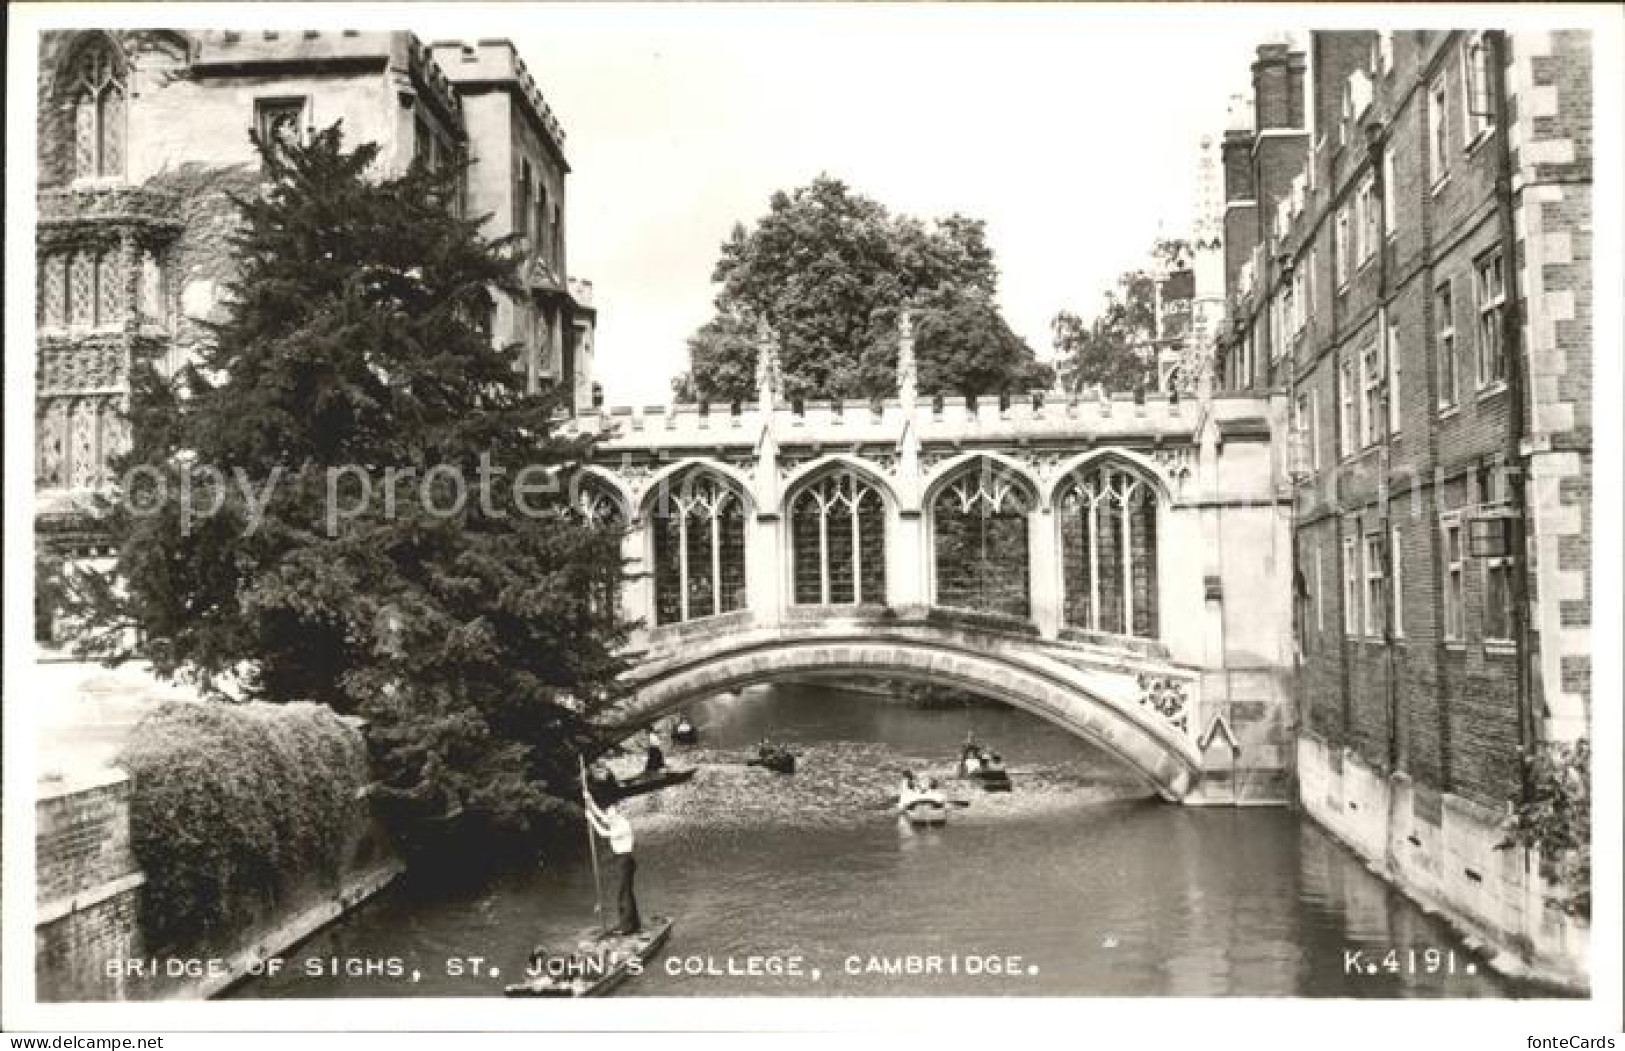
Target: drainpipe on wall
(1512, 340)
(1375, 143)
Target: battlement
(229, 50)
(1038, 417)
(580, 291)
(498, 62)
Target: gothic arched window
(603, 509)
(98, 91)
(699, 531)
(1108, 518)
(979, 524)
(838, 535)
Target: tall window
(1346, 405)
(1498, 599)
(1475, 86)
(838, 533)
(1444, 329)
(1388, 217)
(1351, 587)
(521, 201)
(699, 532)
(1320, 592)
(98, 99)
(1490, 285)
(1375, 588)
(1454, 597)
(1341, 246)
(1371, 408)
(603, 510)
(1365, 228)
(1398, 567)
(1394, 357)
(979, 521)
(1108, 521)
(1301, 455)
(1439, 129)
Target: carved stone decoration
(1165, 695)
(83, 363)
(1178, 463)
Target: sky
(1072, 132)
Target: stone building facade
(142, 135)
(1408, 258)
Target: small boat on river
(990, 780)
(600, 963)
(685, 732)
(778, 760)
(648, 781)
(926, 808)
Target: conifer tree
(289, 519)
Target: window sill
(1455, 645)
(1448, 411)
(1439, 184)
(1500, 648)
(1490, 391)
(1482, 136)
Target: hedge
(234, 807)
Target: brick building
(143, 134)
(1408, 238)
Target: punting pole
(592, 846)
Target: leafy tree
(358, 355)
(1113, 350)
(1554, 818)
(828, 270)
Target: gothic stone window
(86, 288)
(698, 519)
(838, 534)
(98, 92)
(603, 509)
(1108, 517)
(979, 525)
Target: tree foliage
(1113, 349)
(235, 807)
(1554, 818)
(358, 360)
(828, 271)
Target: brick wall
(1452, 720)
(87, 888)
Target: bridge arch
(1092, 707)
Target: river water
(1076, 883)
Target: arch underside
(1166, 760)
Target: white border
(1214, 1023)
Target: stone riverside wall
(89, 890)
(1441, 850)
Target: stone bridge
(1120, 567)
